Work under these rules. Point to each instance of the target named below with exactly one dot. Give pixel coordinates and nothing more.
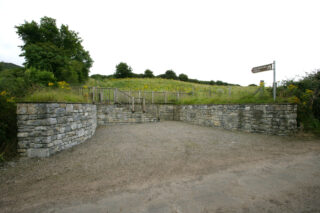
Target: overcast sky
(205, 39)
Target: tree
(46, 47)
(123, 71)
(148, 74)
(170, 75)
(183, 77)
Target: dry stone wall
(46, 128)
(277, 119)
(121, 114)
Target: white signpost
(268, 67)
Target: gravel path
(169, 167)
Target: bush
(306, 94)
(12, 80)
(8, 127)
(34, 76)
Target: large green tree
(123, 71)
(59, 51)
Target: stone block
(69, 108)
(39, 152)
(32, 109)
(21, 109)
(52, 121)
(73, 126)
(23, 134)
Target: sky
(205, 39)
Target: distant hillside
(5, 66)
(160, 84)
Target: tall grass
(159, 84)
(191, 93)
(55, 95)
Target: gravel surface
(168, 167)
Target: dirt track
(169, 167)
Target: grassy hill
(6, 66)
(159, 84)
(193, 93)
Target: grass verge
(55, 95)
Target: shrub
(306, 93)
(8, 126)
(34, 76)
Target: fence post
(139, 95)
(143, 105)
(152, 97)
(115, 95)
(229, 91)
(192, 91)
(178, 95)
(101, 96)
(93, 88)
(165, 97)
(129, 96)
(132, 104)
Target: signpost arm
(274, 81)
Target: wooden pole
(165, 97)
(144, 105)
(139, 95)
(93, 94)
(152, 97)
(132, 104)
(115, 95)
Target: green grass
(189, 93)
(159, 84)
(193, 93)
(230, 100)
(54, 95)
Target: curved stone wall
(46, 128)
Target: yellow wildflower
(3, 93)
(309, 91)
(10, 100)
(292, 87)
(294, 99)
(85, 87)
(50, 84)
(63, 84)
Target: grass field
(190, 93)
(162, 91)
(55, 95)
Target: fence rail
(115, 95)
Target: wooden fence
(115, 95)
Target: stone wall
(277, 119)
(46, 128)
(121, 114)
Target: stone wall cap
(53, 102)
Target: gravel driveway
(168, 167)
